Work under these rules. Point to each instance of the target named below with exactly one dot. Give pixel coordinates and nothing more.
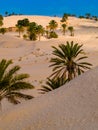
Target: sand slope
(11, 21)
(71, 107)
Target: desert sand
(73, 106)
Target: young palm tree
(53, 25)
(20, 29)
(64, 28)
(71, 29)
(52, 84)
(11, 83)
(68, 61)
(40, 31)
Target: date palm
(64, 28)
(39, 31)
(68, 61)
(71, 29)
(32, 31)
(53, 25)
(19, 29)
(11, 83)
(52, 84)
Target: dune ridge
(74, 106)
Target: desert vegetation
(68, 63)
(12, 82)
(33, 31)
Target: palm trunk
(19, 32)
(0, 105)
(39, 37)
(69, 76)
(63, 32)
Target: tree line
(35, 31)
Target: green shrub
(3, 30)
(33, 36)
(25, 36)
(53, 35)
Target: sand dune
(71, 107)
(11, 21)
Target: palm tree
(64, 28)
(53, 25)
(68, 61)
(11, 83)
(47, 31)
(71, 29)
(40, 31)
(52, 84)
(32, 31)
(20, 29)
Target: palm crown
(53, 25)
(11, 83)
(68, 61)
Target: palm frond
(3, 66)
(21, 85)
(53, 84)
(11, 82)
(19, 77)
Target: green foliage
(19, 29)
(53, 35)
(52, 84)
(3, 30)
(39, 31)
(25, 36)
(68, 61)
(64, 18)
(53, 25)
(81, 17)
(32, 36)
(32, 31)
(71, 29)
(1, 17)
(88, 15)
(64, 28)
(25, 22)
(1, 20)
(11, 83)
